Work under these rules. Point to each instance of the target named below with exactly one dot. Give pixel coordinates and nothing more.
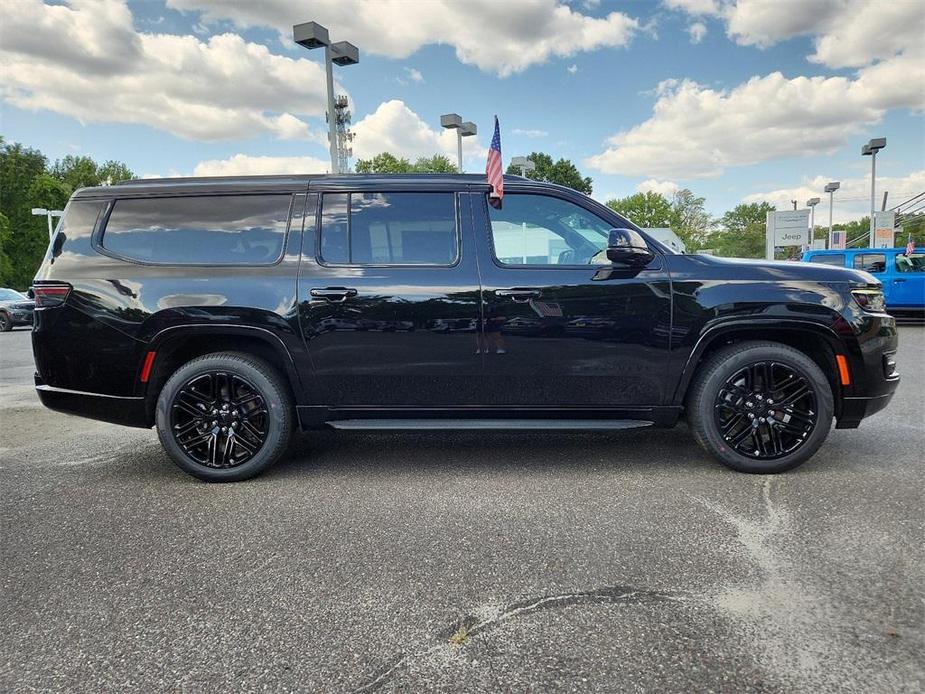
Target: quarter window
(870, 262)
(388, 228)
(910, 263)
(200, 230)
(542, 230)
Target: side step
(487, 424)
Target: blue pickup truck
(903, 276)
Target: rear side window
(200, 230)
(870, 262)
(838, 259)
(388, 229)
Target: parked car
(902, 275)
(15, 309)
(224, 312)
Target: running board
(487, 424)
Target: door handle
(897, 281)
(333, 294)
(521, 296)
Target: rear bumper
(128, 411)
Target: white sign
(883, 229)
(818, 244)
(787, 228)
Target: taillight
(47, 295)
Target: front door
(562, 326)
(908, 281)
(388, 300)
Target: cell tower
(345, 137)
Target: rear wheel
(225, 417)
(6, 323)
(760, 407)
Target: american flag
(493, 168)
(910, 245)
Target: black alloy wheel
(760, 407)
(225, 417)
(766, 410)
(219, 419)
(6, 323)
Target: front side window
(388, 229)
(870, 262)
(838, 259)
(910, 263)
(200, 230)
(542, 230)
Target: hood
(746, 268)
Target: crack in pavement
(472, 625)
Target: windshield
(10, 295)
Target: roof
(283, 183)
(841, 251)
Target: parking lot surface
(460, 562)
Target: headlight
(870, 300)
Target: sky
(737, 100)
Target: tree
(388, 163)
(648, 210)
(562, 172)
(742, 231)
(689, 220)
(6, 265)
(81, 172)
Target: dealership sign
(787, 228)
(883, 229)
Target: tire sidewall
(726, 368)
(279, 417)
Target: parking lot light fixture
(830, 188)
(49, 214)
(811, 204)
(871, 149)
(453, 121)
(312, 35)
(524, 164)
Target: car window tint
(870, 262)
(838, 259)
(911, 263)
(10, 295)
(208, 229)
(389, 229)
(543, 230)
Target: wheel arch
(819, 342)
(177, 345)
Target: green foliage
(684, 214)
(386, 163)
(562, 172)
(741, 232)
(27, 182)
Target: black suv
(228, 312)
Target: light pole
(41, 211)
(524, 164)
(830, 188)
(453, 121)
(871, 149)
(312, 35)
(811, 204)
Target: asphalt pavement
(470, 562)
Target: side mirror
(627, 247)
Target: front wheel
(225, 417)
(6, 323)
(760, 407)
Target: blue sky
(738, 100)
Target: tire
(729, 393)
(6, 323)
(232, 395)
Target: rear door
(563, 327)
(388, 298)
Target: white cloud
(529, 133)
(246, 165)
(414, 75)
(697, 31)
(651, 185)
(852, 200)
(504, 38)
(696, 131)
(395, 128)
(572, 69)
(87, 61)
